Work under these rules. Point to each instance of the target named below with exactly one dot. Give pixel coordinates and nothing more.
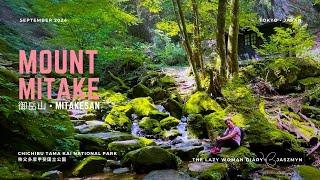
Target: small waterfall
(182, 129)
(135, 129)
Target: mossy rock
(109, 137)
(91, 143)
(204, 154)
(171, 134)
(306, 172)
(166, 81)
(215, 172)
(201, 103)
(113, 98)
(139, 90)
(150, 158)
(143, 107)
(123, 147)
(241, 152)
(150, 126)
(169, 122)
(89, 165)
(118, 118)
(146, 142)
(158, 94)
(174, 107)
(197, 126)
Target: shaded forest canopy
(169, 75)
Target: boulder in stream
(89, 165)
(169, 122)
(123, 147)
(186, 153)
(150, 158)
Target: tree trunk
(221, 44)
(197, 39)
(188, 45)
(233, 38)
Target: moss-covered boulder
(92, 126)
(186, 153)
(149, 125)
(139, 90)
(169, 122)
(174, 107)
(150, 158)
(118, 118)
(196, 168)
(112, 97)
(158, 94)
(306, 173)
(169, 134)
(201, 103)
(197, 126)
(89, 165)
(91, 143)
(241, 152)
(143, 107)
(215, 172)
(146, 142)
(123, 147)
(166, 81)
(109, 137)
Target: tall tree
(197, 40)
(233, 38)
(186, 42)
(221, 44)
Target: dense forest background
(170, 72)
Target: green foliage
(282, 68)
(294, 41)
(164, 50)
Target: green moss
(113, 98)
(197, 126)
(201, 102)
(241, 152)
(118, 118)
(215, 172)
(11, 170)
(89, 165)
(169, 122)
(139, 90)
(146, 141)
(310, 81)
(239, 96)
(151, 126)
(166, 81)
(171, 134)
(308, 172)
(143, 107)
(150, 158)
